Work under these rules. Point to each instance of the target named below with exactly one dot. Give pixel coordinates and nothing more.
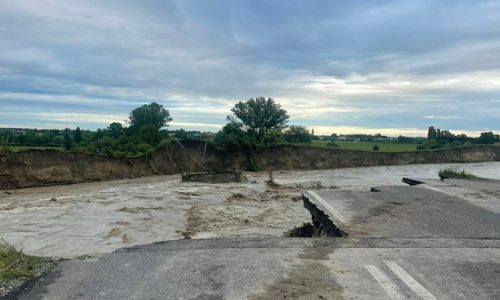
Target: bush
(5, 149)
(455, 173)
(433, 144)
(119, 154)
(298, 134)
(233, 137)
(332, 144)
(108, 151)
(143, 148)
(375, 148)
(164, 143)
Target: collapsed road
(69, 221)
(435, 240)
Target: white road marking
(430, 187)
(409, 280)
(387, 284)
(325, 204)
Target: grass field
(15, 264)
(363, 146)
(19, 148)
(367, 146)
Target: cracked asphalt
(433, 241)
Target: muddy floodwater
(93, 218)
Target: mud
(268, 213)
(309, 278)
(93, 218)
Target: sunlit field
(367, 146)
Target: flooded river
(93, 218)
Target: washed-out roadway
(414, 242)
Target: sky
(390, 67)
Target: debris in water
(215, 177)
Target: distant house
(19, 131)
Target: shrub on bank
(455, 173)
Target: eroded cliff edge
(47, 167)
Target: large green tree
(259, 118)
(152, 114)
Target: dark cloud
(331, 63)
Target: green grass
(366, 146)
(455, 173)
(20, 148)
(15, 264)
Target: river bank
(49, 167)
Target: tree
(181, 134)
(150, 134)
(57, 141)
(232, 137)
(259, 118)
(115, 129)
(68, 139)
(486, 138)
(431, 133)
(77, 135)
(4, 142)
(298, 134)
(153, 113)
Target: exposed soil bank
(308, 158)
(46, 167)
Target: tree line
(442, 138)
(258, 121)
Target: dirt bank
(46, 167)
(308, 158)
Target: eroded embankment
(309, 158)
(45, 167)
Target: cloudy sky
(393, 67)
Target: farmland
(367, 146)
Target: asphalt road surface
(437, 240)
